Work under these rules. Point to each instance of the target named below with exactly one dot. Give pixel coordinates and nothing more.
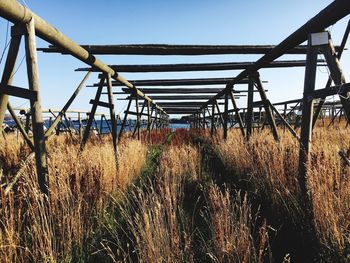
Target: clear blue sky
(170, 22)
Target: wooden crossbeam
(184, 97)
(178, 91)
(199, 66)
(101, 103)
(178, 82)
(181, 104)
(163, 49)
(18, 92)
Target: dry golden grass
(32, 229)
(153, 213)
(231, 224)
(273, 168)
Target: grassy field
(185, 197)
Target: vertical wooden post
(337, 75)
(112, 115)
(27, 124)
(269, 115)
(9, 70)
(306, 122)
(249, 116)
(80, 126)
(138, 115)
(226, 115)
(204, 121)
(238, 116)
(285, 115)
(92, 114)
(219, 112)
(154, 124)
(124, 120)
(37, 119)
(148, 121)
(212, 126)
(305, 138)
(138, 124)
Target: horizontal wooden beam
(182, 104)
(182, 50)
(149, 91)
(101, 103)
(18, 92)
(200, 66)
(144, 114)
(185, 97)
(260, 103)
(178, 82)
(322, 93)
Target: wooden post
(249, 116)
(124, 120)
(9, 70)
(27, 124)
(337, 76)
(306, 123)
(148, 121)
(238, 116)
(219, 112)
(37, 119)
(137, 116)
(226, 115)
(92, 114)
(80, 126)
(306, 136)
(112, 115)
(212, 126)
(269, 115)
(138, 124)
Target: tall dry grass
(152, 214)
(33, 228)
(154, 224)
(272, 169)
(232, 223)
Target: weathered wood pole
(149, 121)
(36, 111)
(337, 75)
(9, 69)
(226, 114)
(212, 126)
(126, 113)
(269, 115)
(249, 116)
(92, 114)
(238, 115)
(138, 124)
(112, 115)
(306, 136)
(80, 126)
(219, 112)
(137, 116)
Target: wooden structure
(203, 100)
